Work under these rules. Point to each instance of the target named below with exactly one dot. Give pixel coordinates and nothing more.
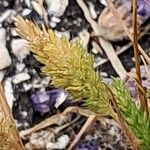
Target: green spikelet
(136, 119)
(68, 64)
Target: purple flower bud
(143, 7)
(88, 145)
(44, 101)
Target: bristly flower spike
(70, 67)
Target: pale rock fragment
(57, 7)
(21, 77)
(20, 49)
(5, 60)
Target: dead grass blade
(4, 108)
(112, 56)
(142, 96)
(90, 121)
(105, 60)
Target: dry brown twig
(4, 108)
(124, 48)
(105, 60)
(90, 121)
(142, 96)
(58, 119)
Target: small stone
(8, 90)
(5, 15)
(57, 7)
(84, 37)
(5, 3)
(27, 87)
(62, 96)
(24, 114)
(5, 60)
(28, 3)
(26, 12)
(20, 49)
(60, 34)
(61, 143)
(21, 78)
(45, 81)
(52, 24)
(55, 19)
(96, 48)
(103, 74)
(97, 59)
(13, 32)
(103, 2)
(2, 36)
(20, 67)
(2, 73)
(37, 7)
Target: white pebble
(9, 92)
(20, 67)
(27, 87)
(5, 3)
(61, 143)
(52, 24)
(28, 2)
(60, 34)
(57, 7)
(3, 36)
(26, 12)
(5, 59)
(13, 32)
(37, 7)
(55, 19)
(21, 77)
(61, 98)
(96, 48)
(2, 73)
(103, 74)
(24, 114)
(84, 38)
(20, 49)
(103, 2)
(5, 15)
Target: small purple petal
(44, 101)
(88, 145)
(143, 7)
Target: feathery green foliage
(69, 65)
(136, 119)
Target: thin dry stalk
(105, 60)
(111, 54)
(126, 30)
(4, 108)
(142, 96)
(90, 121)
